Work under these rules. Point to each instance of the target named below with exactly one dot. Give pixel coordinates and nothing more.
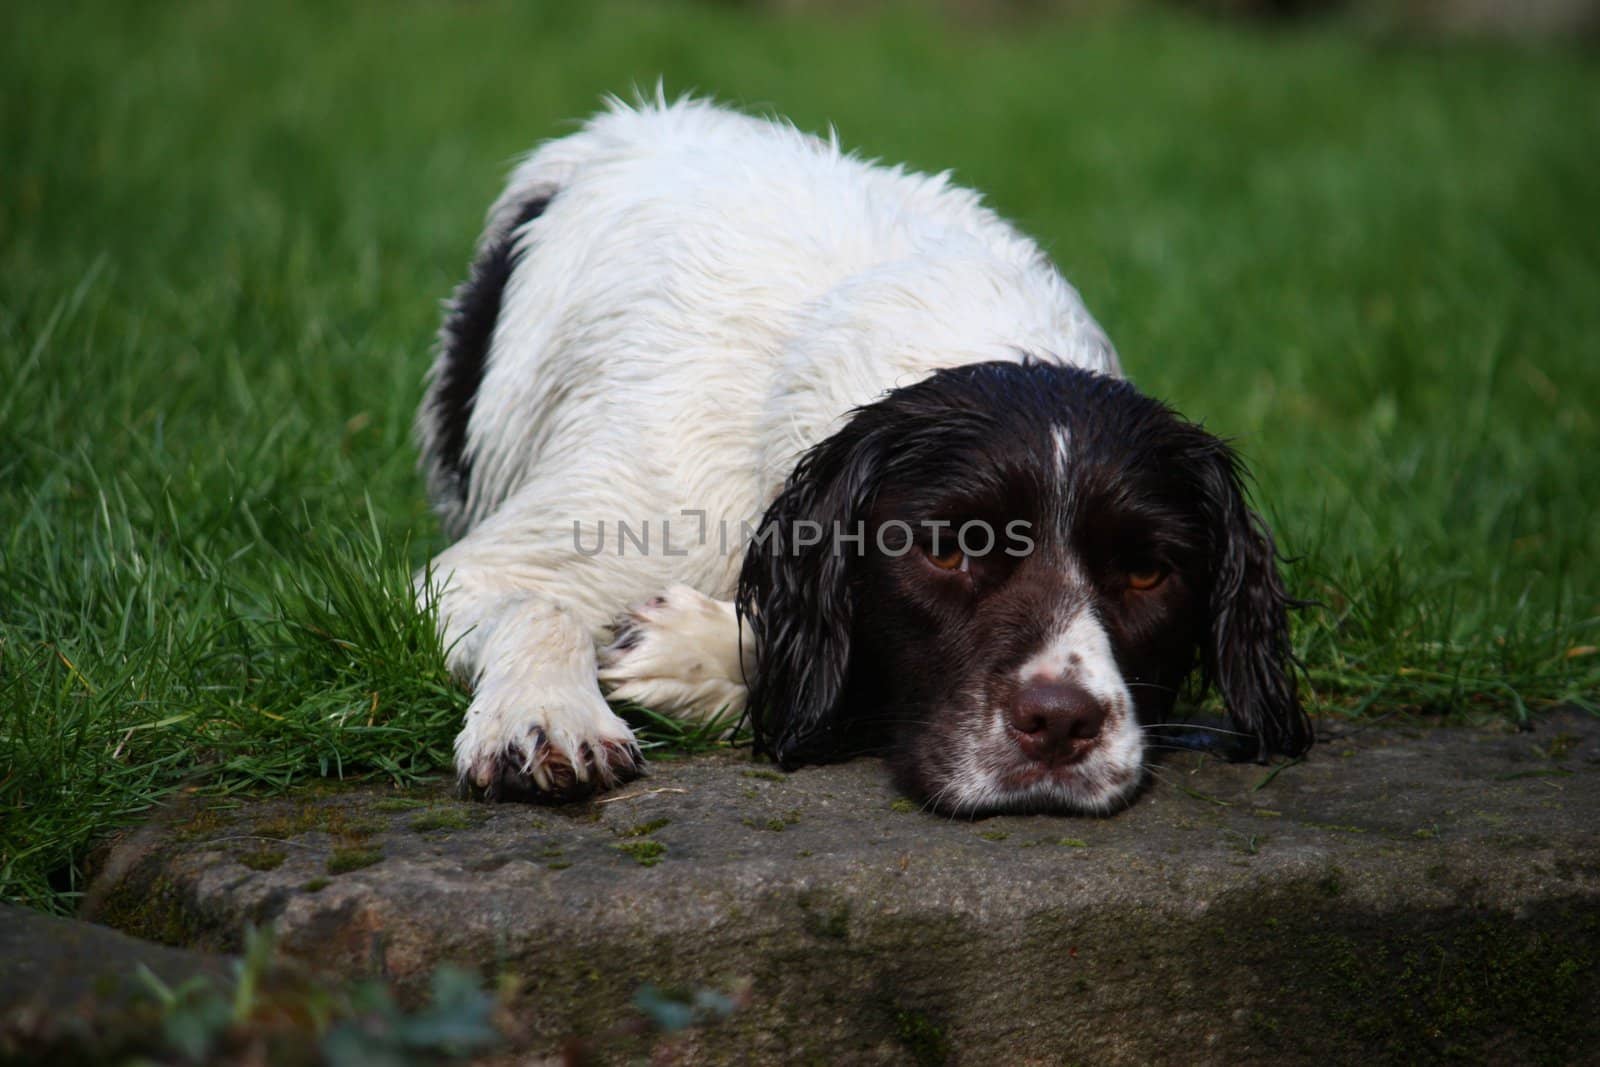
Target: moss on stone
(203, 822)
(264, 859)
(313, 816)
(344, 860)
(394, 804)
(645, 853)
(1427, 993)
(153, 909)
(441, 819)
(1561, 745)
(776, 824)
(824, 915)
(924, 1039)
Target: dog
(727, 420)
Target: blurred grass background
(1369, 254)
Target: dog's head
(1003, 573)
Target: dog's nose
(1056, 721)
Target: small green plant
(673, 1010)
(345, 1025)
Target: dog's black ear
(797, 599)
(1246, 652)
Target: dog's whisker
(1150, 685)
(1197, 727)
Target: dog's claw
(550, 776)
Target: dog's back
(678, 299)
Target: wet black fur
(853, 653)
(465, 337)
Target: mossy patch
(1427, 993)
(310, 817)
(155, 909)
(1243, 843)
(903, 805)
(645, 853)
(1561, 746)
(924, 1039)
(994, 835)
(824, 915)
(389, 805)
(264, 859)
(202, 823)
(317, 884)
(777, 823)
(344, 860)
(442, 819)
(643, 829)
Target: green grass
(224, 230)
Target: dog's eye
(953, 560)
(1146, 576)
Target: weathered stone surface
(69, 988)
(1400, 895)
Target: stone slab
(1400, 896)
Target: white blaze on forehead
(1079, 652)
(1061, 439)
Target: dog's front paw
(678, 654)
(544, 746)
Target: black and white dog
(857, 457)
